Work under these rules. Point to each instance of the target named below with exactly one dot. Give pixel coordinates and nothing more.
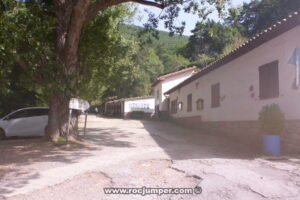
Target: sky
(190, 19)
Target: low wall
(164, 115)
(246, 132)
(146, 115)
(291, 136)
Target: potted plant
(271, 121)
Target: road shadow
(12, 179)
(182, 143)
(18, 155)
(20, 151)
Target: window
(37, 112)
(200, 104)
(189, 103)
(180, 106)
(215, 95)
(18, 114)
(269, 81)
(174, 106)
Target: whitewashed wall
(158, 99)
(166, 85)
(147, 105)
(237, 76)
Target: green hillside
(164, 39)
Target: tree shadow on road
(19, 154)
(12, 179)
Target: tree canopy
(252, 18)
(211, 39)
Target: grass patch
(60, 139)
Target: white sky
(190, 19)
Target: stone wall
(246, 132)
(291, 136)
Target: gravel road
(134, 154)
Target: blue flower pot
(271, 144)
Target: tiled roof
(161, 78)
(268, 34)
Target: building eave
(131, 98)
(166, 76)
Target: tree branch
(101, 4)
(76, 22)
(37, 77)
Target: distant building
(226, 96)
(122, 107)
(165, 83)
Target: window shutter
(215, 95)
(174, 106)
(189, 103)
(200, 104)
(269, 80)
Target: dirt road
(134, 154)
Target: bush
(271, 119)
(137, 114)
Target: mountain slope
(164, 39)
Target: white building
(145, 104)
(227, 96)
(122, 107)
(165, 83)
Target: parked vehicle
(24, 122)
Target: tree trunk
(70, 20)
(58, 116)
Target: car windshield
(26, 113)
(8, 115)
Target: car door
(16, 123)
(30, 123)
(35, 122)
(38, 120)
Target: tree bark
(58, 116)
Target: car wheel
(2, 134)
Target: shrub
(137, 114)
(271, 119)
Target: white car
(24, 122)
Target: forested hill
(143, 61)
(164, 39)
